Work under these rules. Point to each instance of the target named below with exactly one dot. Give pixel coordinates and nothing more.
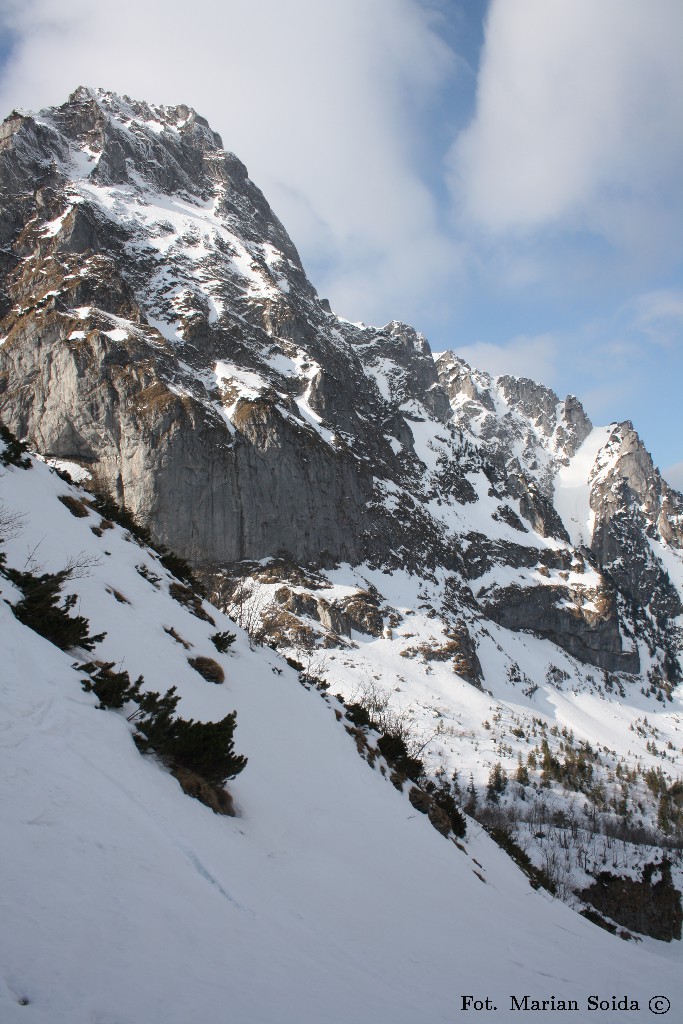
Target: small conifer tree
(498, 780)
(471, 804)
(222, 641)
(522, 773)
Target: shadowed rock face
(159, 330)
(589, 637)
(646, 907)
(211, 495)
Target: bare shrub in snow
(208, 669)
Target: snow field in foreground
(329, 899)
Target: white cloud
(578, 121)
(659, 316)
(535, 357)
(617, 364)
(322, 101)
(674, 476)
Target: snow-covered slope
(328, 898)
(572, 488)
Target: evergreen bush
(40, 609)
(114, 689)
(190, 600)
(180, 568)
(110, 509)
(205, 748)
(393, 749)
(358, 714)
(14, 452)
(443, 798)
(174, 563)
(222, 641)
(538, 878)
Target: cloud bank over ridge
(504, 200)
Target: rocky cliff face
(159, 332)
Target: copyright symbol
(659, 1004)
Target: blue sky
(503, 174)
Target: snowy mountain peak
(474, 542)
(147, 256)
(128, 111)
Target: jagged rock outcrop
(523, 425)
(633, 506)
(401, 361)
(565, 424)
